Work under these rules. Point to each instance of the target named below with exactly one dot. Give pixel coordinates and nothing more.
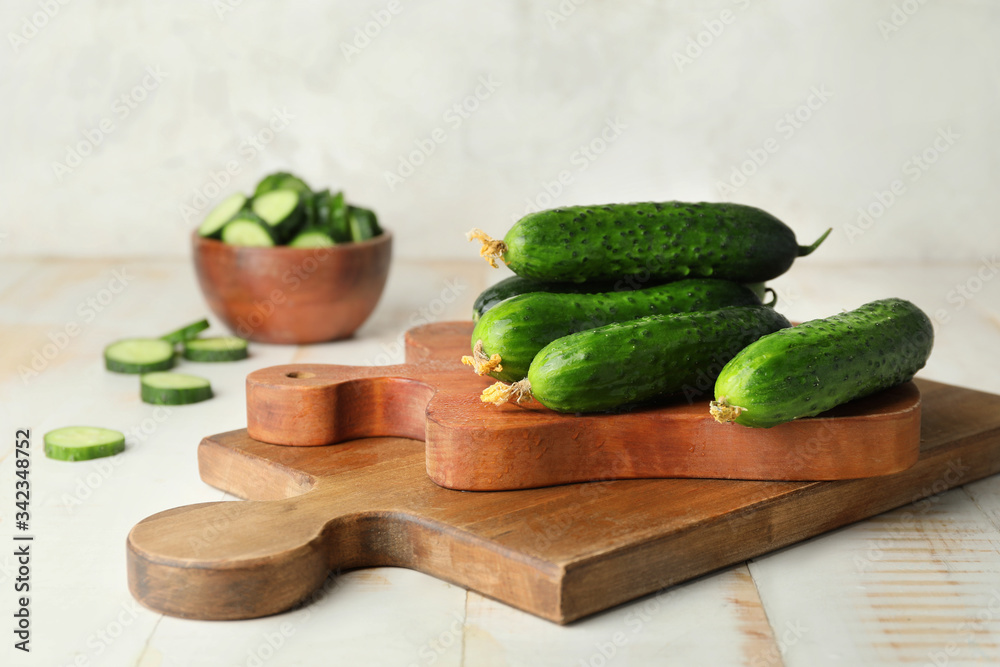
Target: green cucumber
(281, 180)
(329, 215)
(281, 210)
(818, 365)
(217, 218)
(139, 355)
(83, 443)
(318, 212)
(515, 285)
(625, 364)
(339, 227)
(520, 326)
(219, 348)
(760, 289)
(285, 210)
(186, 333)
(363, 223)
(662, 241)
(174, 388)
(311, 237)
(248, 230)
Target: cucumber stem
(723, 412)
(492, 249)
(480, 363)
(806, 249)
(500, 392)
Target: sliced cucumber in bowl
(281, 211)
(312, 238)
(284, 210)
(363, 223)
(217, 218)
(248, 231)
(281, 180)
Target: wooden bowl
(293, 295)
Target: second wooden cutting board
(472, 446)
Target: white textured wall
(676, 129)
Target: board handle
(229, 560)
(317, 404)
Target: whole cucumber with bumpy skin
(517, 328)
(515, 285)
(818, 365)
(662, 241)
(629, 363)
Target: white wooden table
(921, 588)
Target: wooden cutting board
(474, 446)
(560, 552)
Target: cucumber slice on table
(281, 210)
(247, 231)
(221, 214)
(186, 333)
(139, 355)
(174, 388)
(312, 238)
(219, 348)
(363, 223)
(82, 443)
